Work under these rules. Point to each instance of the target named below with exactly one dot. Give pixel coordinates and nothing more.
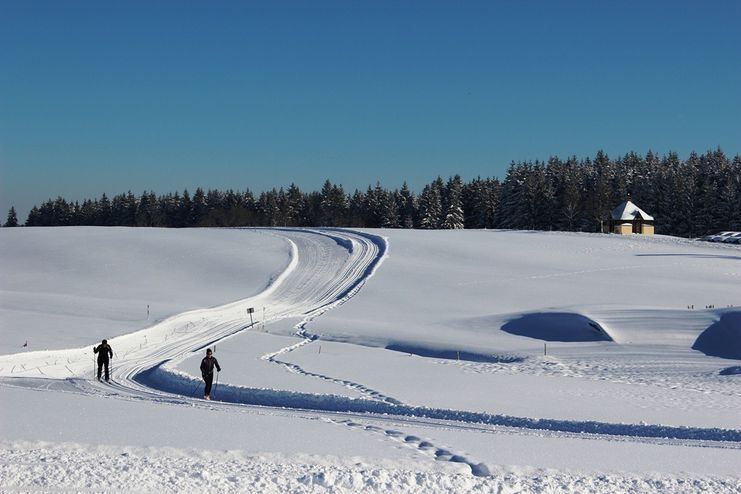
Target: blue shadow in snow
(731, 371)
(723, 338)
(696, 256)
(557, 326)
(453, 354)
(163, 380)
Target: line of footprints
(426, 447)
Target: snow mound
(722, 339)
(557, 326)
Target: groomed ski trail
(313, 281)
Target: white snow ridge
(372, 361)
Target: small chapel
(629, 218)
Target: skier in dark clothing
(105, 352)
(207, 371)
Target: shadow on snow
(177, 383)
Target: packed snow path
(316, 280)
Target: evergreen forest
(689, 198)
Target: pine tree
(356, 210)
(102, 211)
(267, 204)
(430, 206)
(33, 217)
(407, 205)
(453, 204)
(643, 185)
(389, 210)
(539, 198)
(12, 220)
(294, 206)
(373, 206)
(512, 211)
(144, 209)
(199, 208)
(334, 205)
(734, 181)
(599, 203)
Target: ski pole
(217, 383)
(195, 388)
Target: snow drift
(722, 339)
(556, 326)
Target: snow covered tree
(334, 205)
(453, 203)
(734, 183)
(356, 209)
(267, 204)
(643, 184)
(374, 206)
(431, 205)
(390, 210)
(294, 206)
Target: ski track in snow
(144, 367)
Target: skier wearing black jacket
(207, 371)
(104, 351)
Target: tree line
(691, 197)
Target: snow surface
(386, 361)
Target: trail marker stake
(250, 311)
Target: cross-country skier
(104, 351)
(207, 371)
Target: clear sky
(100, 96)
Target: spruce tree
(430, 206)
(390, 210)
(12, 220)
(294, 206)
(453, 204)
(407, 207)
(199, 209)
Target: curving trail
(316, 279)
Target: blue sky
(114, 96)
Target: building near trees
(629, 218)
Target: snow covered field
(384, 361)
